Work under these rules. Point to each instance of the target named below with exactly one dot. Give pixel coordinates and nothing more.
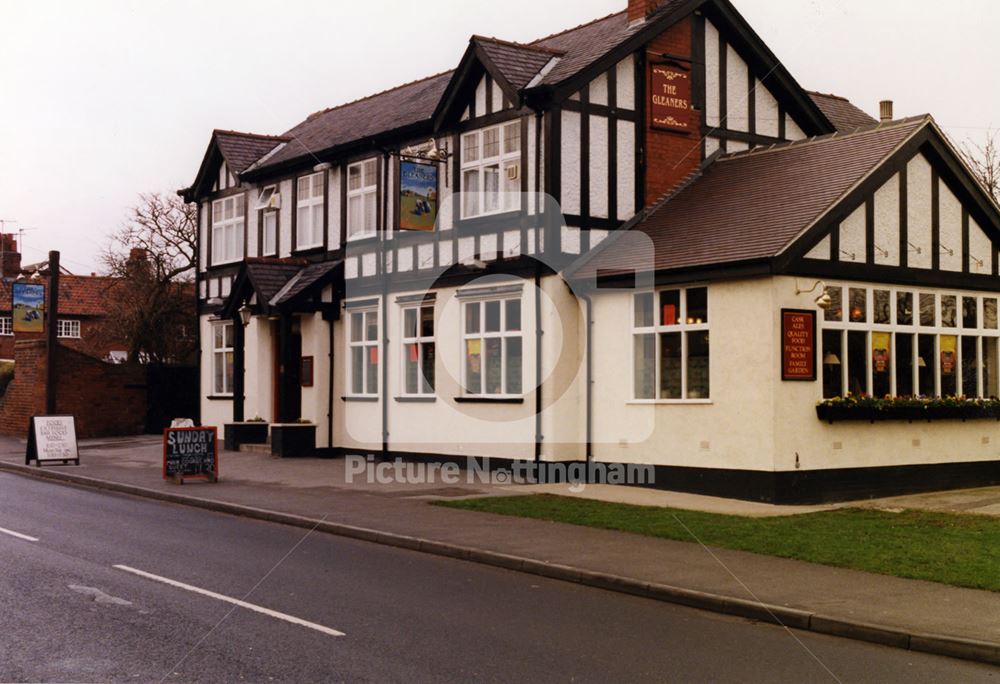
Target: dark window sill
(309, 251)
(429, 399)
(489, 400)
(368, 399)
(219, 397)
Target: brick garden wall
(106, 399)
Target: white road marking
(18, 535)
(228, 599)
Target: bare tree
(984, 160)
(151, 305)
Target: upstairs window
(67, 328)
(362, 190)
(227, 229)
(309, 211)
(267, 204)
(6, 325)
(491, 170)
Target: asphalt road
(345, 610)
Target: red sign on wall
(670, 98)
(798, 345)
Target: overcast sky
(100, 101)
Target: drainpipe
(329, 393)
(538, 313)
(383, 395)
(589, 453)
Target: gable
(920, 214)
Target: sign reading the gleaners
(52, 439)
(798, 345)
(670, 98)
(191, 453)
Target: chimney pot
(885, 110)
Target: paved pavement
(832, 600)
(346, 610)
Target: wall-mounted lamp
(950, 251)
(914, 248)
(823, 301)
(36, 276)
(245, 314)
(883, 252)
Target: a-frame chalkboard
(52, 439)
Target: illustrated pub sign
(670, 98)
(798, 345)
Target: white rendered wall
(570, 164)
(853, 241)
(918, 208)
(887, 223)
(598, 167)
(950, 235)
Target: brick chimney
(638, 10)
(10, 258)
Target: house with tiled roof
(635, 242)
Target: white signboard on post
(52, 439)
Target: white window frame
(482, 336)
(68, 328)
(366, 345)
(227, 233)
(360, 225)
(268, 215)
(219, 353)
(683, 327)
(6, 326)
(895, 328)
(477, 164)
(420, 340)
(309, 210)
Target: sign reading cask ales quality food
(418, 190)
(191, 453)
(670, 97)
(798, 344)
(52, 439)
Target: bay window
(309, 199)
(493, 347)
(363, 347)
(227, 229)
(898, 342)
(670, 345)
(491, 168)
(223, 358)
(362, 204)
(418, 350)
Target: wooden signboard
(191, 453)
(798, 345)
(52, 439)
(670, 98)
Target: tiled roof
(268, 276)
(408, 104)
(841, 112)
(588, 42)
(240, 150)
(518, 63)
(78, 295)
(302, 280)
(750, 205)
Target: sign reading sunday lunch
(191, 453)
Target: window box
(293, 439)
(235, 434)
(909, 409)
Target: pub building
(637, 241)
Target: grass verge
(961, 550)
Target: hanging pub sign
(191, 453)
(52, 439)
(28, 307)
(418, 195)
(670, 97)
(798, 344)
